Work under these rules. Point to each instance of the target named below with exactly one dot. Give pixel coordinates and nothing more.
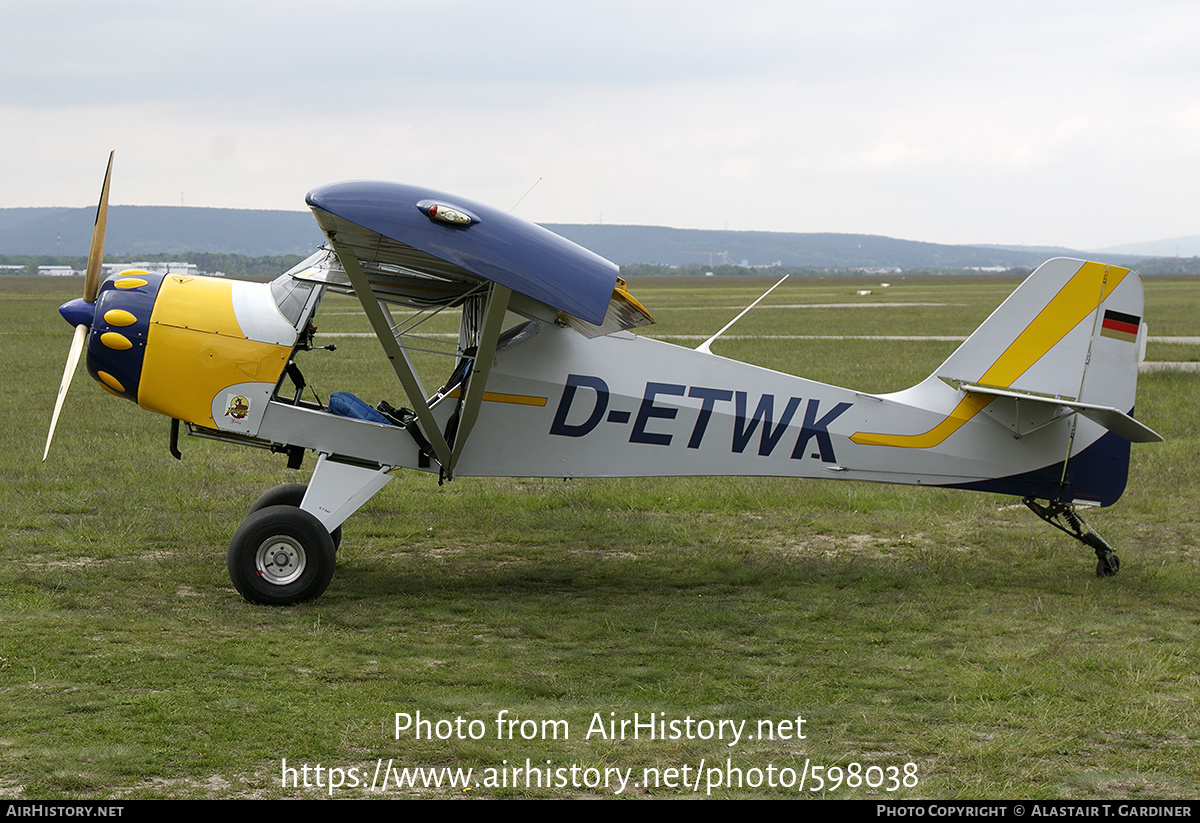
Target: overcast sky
(1038, 123)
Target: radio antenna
(704, 347)
(526, 194)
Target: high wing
(367, 219)
(407, 245)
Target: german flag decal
(1120, 326)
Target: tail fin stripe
(1074, 302)
(1088, 288)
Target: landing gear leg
(290, 494)
(1063, 517)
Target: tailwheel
(290, 494)
(280, 555)
(1108, 565)
(1107, 562)
(1064, 518)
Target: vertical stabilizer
(1073, 333)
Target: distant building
(108, 269)
(173, 267)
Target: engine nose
(78, 312)
(119, 322)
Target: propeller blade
(91, 284)
(81, 335)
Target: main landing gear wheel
(290, 494)
(280, 555)
(1064, 518)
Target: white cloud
(932, 120)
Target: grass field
(936, 644)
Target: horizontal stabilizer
(1111, 418)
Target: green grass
(950, 630)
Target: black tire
(290, 494)
(280, 555)
(1108, 565)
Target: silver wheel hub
(280, 560)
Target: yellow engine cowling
(211, 351)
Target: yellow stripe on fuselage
(497, 397)
(1088, 288)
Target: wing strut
(448, 446)
(401, 364)
(493, 320)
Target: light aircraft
(548, 380)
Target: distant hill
(146, 230)
(1171, 247)
(140, 230)
(675, 247)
